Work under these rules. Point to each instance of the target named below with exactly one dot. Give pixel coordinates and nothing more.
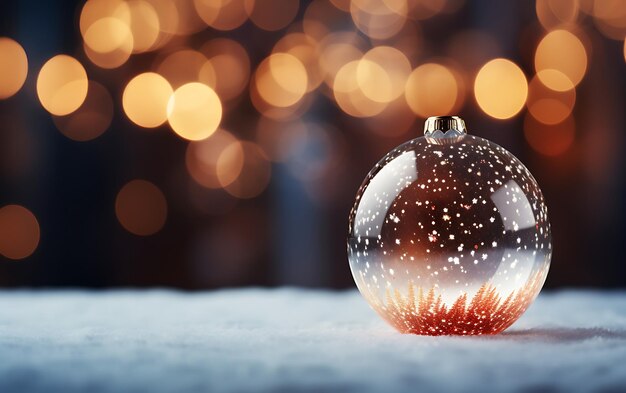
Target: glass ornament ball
(449, 234)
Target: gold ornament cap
(444, 127)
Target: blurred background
(215, 143)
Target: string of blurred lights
(361, 55)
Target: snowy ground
(291, 340)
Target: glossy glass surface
(449, 236)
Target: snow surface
(294, 340)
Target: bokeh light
(281, 80)
(228, 59)
(501, 88)
(223, 14)
(379, 19)
(62, 85)
(610, 18)
(189, 20)
(95, 10)
(205, 162)
(13, 67)
(167, 13)
(144, 25)
(271, 15)
(109, 34)
(106, 30)
(306, 49)
(194, 111)
(229, 163)
(141, 208)
(254, 175)
(223, 99)
(549, 106)
(432, 90)
(91, 119)
(19, 232)
(145, 99)
(108, 60)
(186, 66)
(395, 68)
(337, 50)
(549, 140)
(373, 81)
(350, 86)
(553, 13)
(275, 112)
(322, 18)
(562, 51)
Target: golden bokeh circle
(549, 106)
(500, 88)
(281, 80)
(194, 111)
(62, 85)
(222, 14)
(552, 13)
(562, 51)
(108, 34)
(145, 25)
(145, 99)
(432, 90)
(202, 159)
(349, 94)
(13, 67)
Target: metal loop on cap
(444, 127)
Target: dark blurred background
(97, 194)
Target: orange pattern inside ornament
(424, 313)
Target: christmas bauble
(449, 234)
